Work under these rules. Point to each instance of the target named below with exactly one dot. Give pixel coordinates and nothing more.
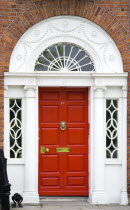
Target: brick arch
(46, 9)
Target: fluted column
(30, 175)
(98, 195)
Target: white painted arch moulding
(79, 31)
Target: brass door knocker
(63, 125)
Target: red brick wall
(16, 16)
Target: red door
(63, 149)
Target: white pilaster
(6, 123)
(124, 195)
(98, 194)
(30, 194)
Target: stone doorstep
(64, 201)
(64, 198)
(74, 201)
(74, 207)
(57, 201)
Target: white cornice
(62, 74)
(71, 79)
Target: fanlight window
(64, 57)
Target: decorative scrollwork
(64, 57)
(112, 129)
(15, 110)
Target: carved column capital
(6, 91)
(30, 91)
(124, 91)
(99, 91)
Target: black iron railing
(4, 183)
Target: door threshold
(63, 198)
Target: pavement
(55, 205)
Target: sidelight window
(64, 57)
(111, 129)
(15, 134)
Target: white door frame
(100, 88)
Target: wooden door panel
(76, 136)
(75, 113)
(76, 163)
(50, 163)
(63, 173)
(49, 136)
(50, 95)
(72, 95)
(76, 181)
(47, 117)
(50, 182)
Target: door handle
(44, 150)
(47, 150)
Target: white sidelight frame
(105, 83)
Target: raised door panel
(50, 163)
(76, 136)
(76, 181)
(50, 113)
(49, 136)
(50, 182)
(75, 113)
(76, 163)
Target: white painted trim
(31, 147)
(6, 123)
(124, 195)
(79, 31)
(64, 79)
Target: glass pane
(89, 67)
(60, 49)
(19, 154)
(12, 154)
(67, 50)
(54, 51)
(80, 55)
(42, 60)
(84, 61)
(47, 55)
(74, 52)
(115, 154)
(40, 67)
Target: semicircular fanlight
(64, 57)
